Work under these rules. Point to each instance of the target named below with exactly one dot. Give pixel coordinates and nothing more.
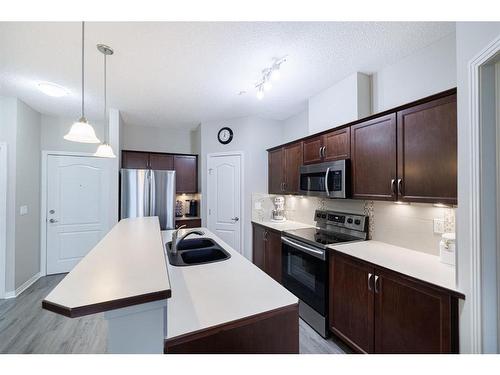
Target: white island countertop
(213, 294)
(282, 226)
(127, 267)
(421, 266)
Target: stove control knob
(357, 221)
(349, 220)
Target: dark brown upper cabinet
(185, 166)
(186, 173)
(427, 152)
(161, 161)
(334, 145)
(284, 166)
(275, 172)
(135, 159)
(373, 158)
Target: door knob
(52, 221)
(235, 218)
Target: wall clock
(225, 135)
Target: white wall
(346, 101)
(148, 138)
(8, 134)
(471, 39)
(295, 127)
(54, 128)
(27, 259)
(253, 136)
(423, 73)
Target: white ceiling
(175, 74)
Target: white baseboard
(23, 287)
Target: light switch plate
(438, 225)
(23, 210)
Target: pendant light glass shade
(105, 151)
(81, 131)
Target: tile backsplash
(406, 225)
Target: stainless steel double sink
(195, 251)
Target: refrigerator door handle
(152, 194)
(147, 191)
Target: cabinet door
(427, 152)
(312, 150)
(258, 246)
(337, 144)
(189, 223)
(161, 161)
(411, 317)
(351, 301)
(272, 255)
(186, 173)
(275, 172)
(373, 158)
(135, 159)
(293, 161)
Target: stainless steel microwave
(330, 179)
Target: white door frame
(3, 216)
(242, 187)
(43, 200)
(475, 195)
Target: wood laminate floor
(26, 328)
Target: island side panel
(272, 332)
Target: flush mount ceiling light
(105, 150)
(51, 89)
(81, 131)
(269, 74)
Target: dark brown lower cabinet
(267, 251)
(380, 311)
(189, 223)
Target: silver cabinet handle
(53, 221)
(376, 284)
(235, 218)
(324, 151)
(320, 154)
(400, 186)
(370, 281)
(393, 187)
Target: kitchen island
(229, 306)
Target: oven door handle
(326, 181)
(315, 253)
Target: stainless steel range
(305, 261)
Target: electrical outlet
(438, 225)
(23, 210)
(258, 205)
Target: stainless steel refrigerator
(146, 192)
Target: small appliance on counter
(305, 261)
(179, 208)
(278, 214)
(193, 208)
(447, 248)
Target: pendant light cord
(83, 68)
(106, 124)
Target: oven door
(305, 273)
(326, 179)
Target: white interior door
(224, 198)
(77, 208)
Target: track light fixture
(269, 74)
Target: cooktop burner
(320, 237)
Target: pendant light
(81, 131)
(105, 150)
